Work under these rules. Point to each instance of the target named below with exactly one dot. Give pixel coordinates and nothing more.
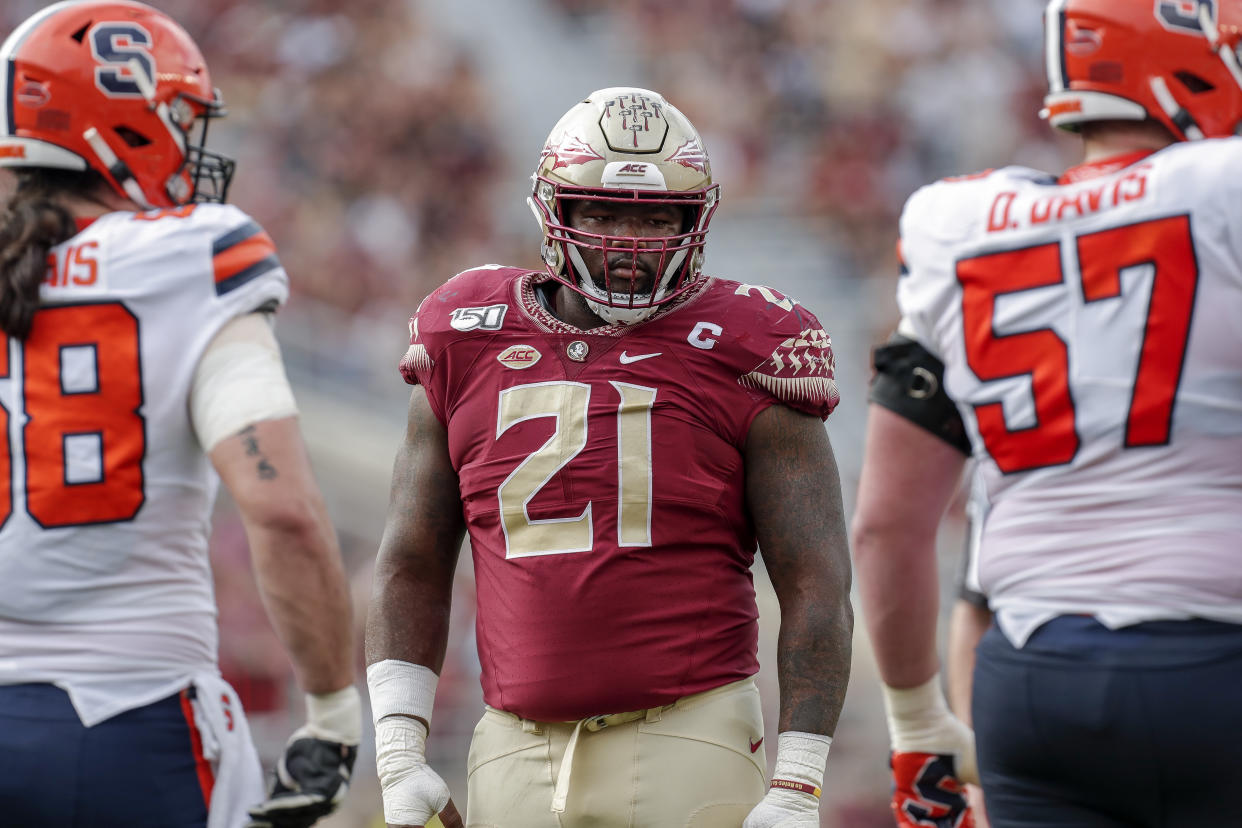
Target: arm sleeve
(909, 381)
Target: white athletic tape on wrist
(239, 381)
(800, 760)
(919, 720)
(412, 791)
(399, 688)
(917, 716)
(335, 717)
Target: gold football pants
(696, 763)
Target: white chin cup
(614, 308)
(619, 316)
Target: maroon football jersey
(602, 484)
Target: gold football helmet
(624, 144)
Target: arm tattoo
(250, 441)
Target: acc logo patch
(489, 318)
(518, 357)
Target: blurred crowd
(369, 148)
(367, 143)
(841, 109)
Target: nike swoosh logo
(626, 359)
(755, 745)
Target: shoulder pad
(214, 252)
(785, 352)
(954, 179)
(475, 300)
(952, 207)
(478, 299)
(1200, 165)
(240, 250)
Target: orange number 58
(84, 439)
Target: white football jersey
(1091, 331)
(105, 492)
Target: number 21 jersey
(601, 480)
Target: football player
(1083, 333)
(138, 369)
(615, 433)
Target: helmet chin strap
(1179, 116)
(175, 187)
(116, 168)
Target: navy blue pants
(136, 770)
(1087, 727)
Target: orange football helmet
(114, 86)
(1133, 60)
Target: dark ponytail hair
(31, 224)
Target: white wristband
(919, 721)
(335, 717)
(399, 688)
(800, 760)
(916, 715)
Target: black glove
(311, 780)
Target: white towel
(229, 749)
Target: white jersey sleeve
(1091, 330)
(105, 587)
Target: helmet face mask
(628, 150)
(1123, 60)
(210, 173)
(118, 87)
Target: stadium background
(388, 144)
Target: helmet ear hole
(1193, 83)
(131, 137)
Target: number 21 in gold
(567, 403)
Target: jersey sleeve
(468, 305)
(246, 272)
(922, 286)
(213, 255)
(202, 264)
(1218, 175)
(417, 366)
(786, 356)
